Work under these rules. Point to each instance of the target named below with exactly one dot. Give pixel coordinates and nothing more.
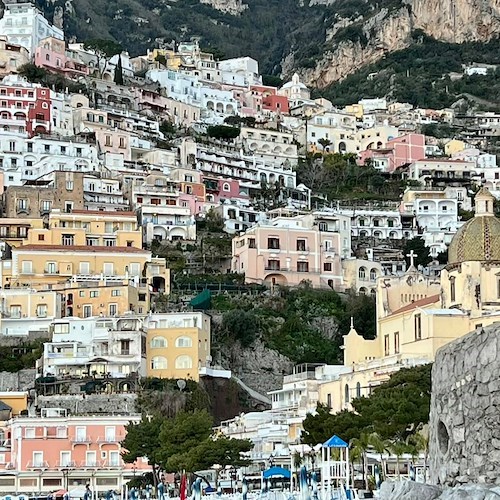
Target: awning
(276, 472)
(335, 442)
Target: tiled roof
(418, 303)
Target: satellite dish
(181, 384)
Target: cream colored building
(416, 315)
(178, 345)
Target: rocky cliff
(325, 40)
(359, 40)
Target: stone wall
(22, 380)
(123, 404)
(465, 410)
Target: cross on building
(412, 255)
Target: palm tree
(398, 448)
(360, 447)
(420, 441)
(380, 446)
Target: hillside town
(137, 190)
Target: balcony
(66, 465)
(110, 439)
(38, 465)
(81, 440)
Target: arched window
(362, 273)
(183, 362)
(373, 274)
(373, 292)
(346, 393)
(225, 187)
(363, 234)
(377, 234)
(358, 390)
(362, 290)
(159, 363)
(183, 342)
(157, 342)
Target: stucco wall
(465, 417)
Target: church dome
(479, 238)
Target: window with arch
(183, 362)
(373, 274)
(346, 393)
(362, 273)
(157, 342)
(358, 390)
(225, 187)
(159, 363)
(183, 342)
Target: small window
(158, 342)
(183, 342)
(418, 326)
(273, 243)
(251, 243)
(327, 266)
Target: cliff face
(370, 37)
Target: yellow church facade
(417, 315)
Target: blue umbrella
(197, 489)
(244, 488)
(413, 473)
(304, 487)
(378, 480)
(314, 481)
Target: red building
(25, 109)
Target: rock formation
(465, 410)
(390, 29)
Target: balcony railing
(68, 465)
(81, 440)
(38, 465)
(109, 439)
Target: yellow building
(18, 401)
(17, 304)
(86, 227)
(15, 231)
(178, 345)
(454, 146)
(430, 314)
(355, 109)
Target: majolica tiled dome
(479, 238)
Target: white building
(79, 346)
(296, 91)
(375, 223)
(24, 25)
(179, 86)
(103, 194)
(41, 155)
(241, 71)
(238, 215)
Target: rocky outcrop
(390, 30)
(408, 490)
(233, 7)
(464, 424)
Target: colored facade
(289, 250)
(178, 345)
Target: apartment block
(287, 250)
(178, 345)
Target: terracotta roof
(80, 248)
(418, 303)
(118, 213)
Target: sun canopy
(276, 472)
(335, 442)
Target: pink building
(289, 250)
(222, 189)
(398, 151)
(52, 55)
(55, 452)
(24, 108)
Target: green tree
(104, 50)
(360, 446)
(395, 410)
(380, 446)
(398, 449)
(143, 440)
(324, 143)
(242, 326)
(214, 223)
(223, 132)
(421, 252)
(33, 73)
(118, 77)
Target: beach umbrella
(378, 479)
(197, 489)
(304, 487)
(244, 488)
(314, 481)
